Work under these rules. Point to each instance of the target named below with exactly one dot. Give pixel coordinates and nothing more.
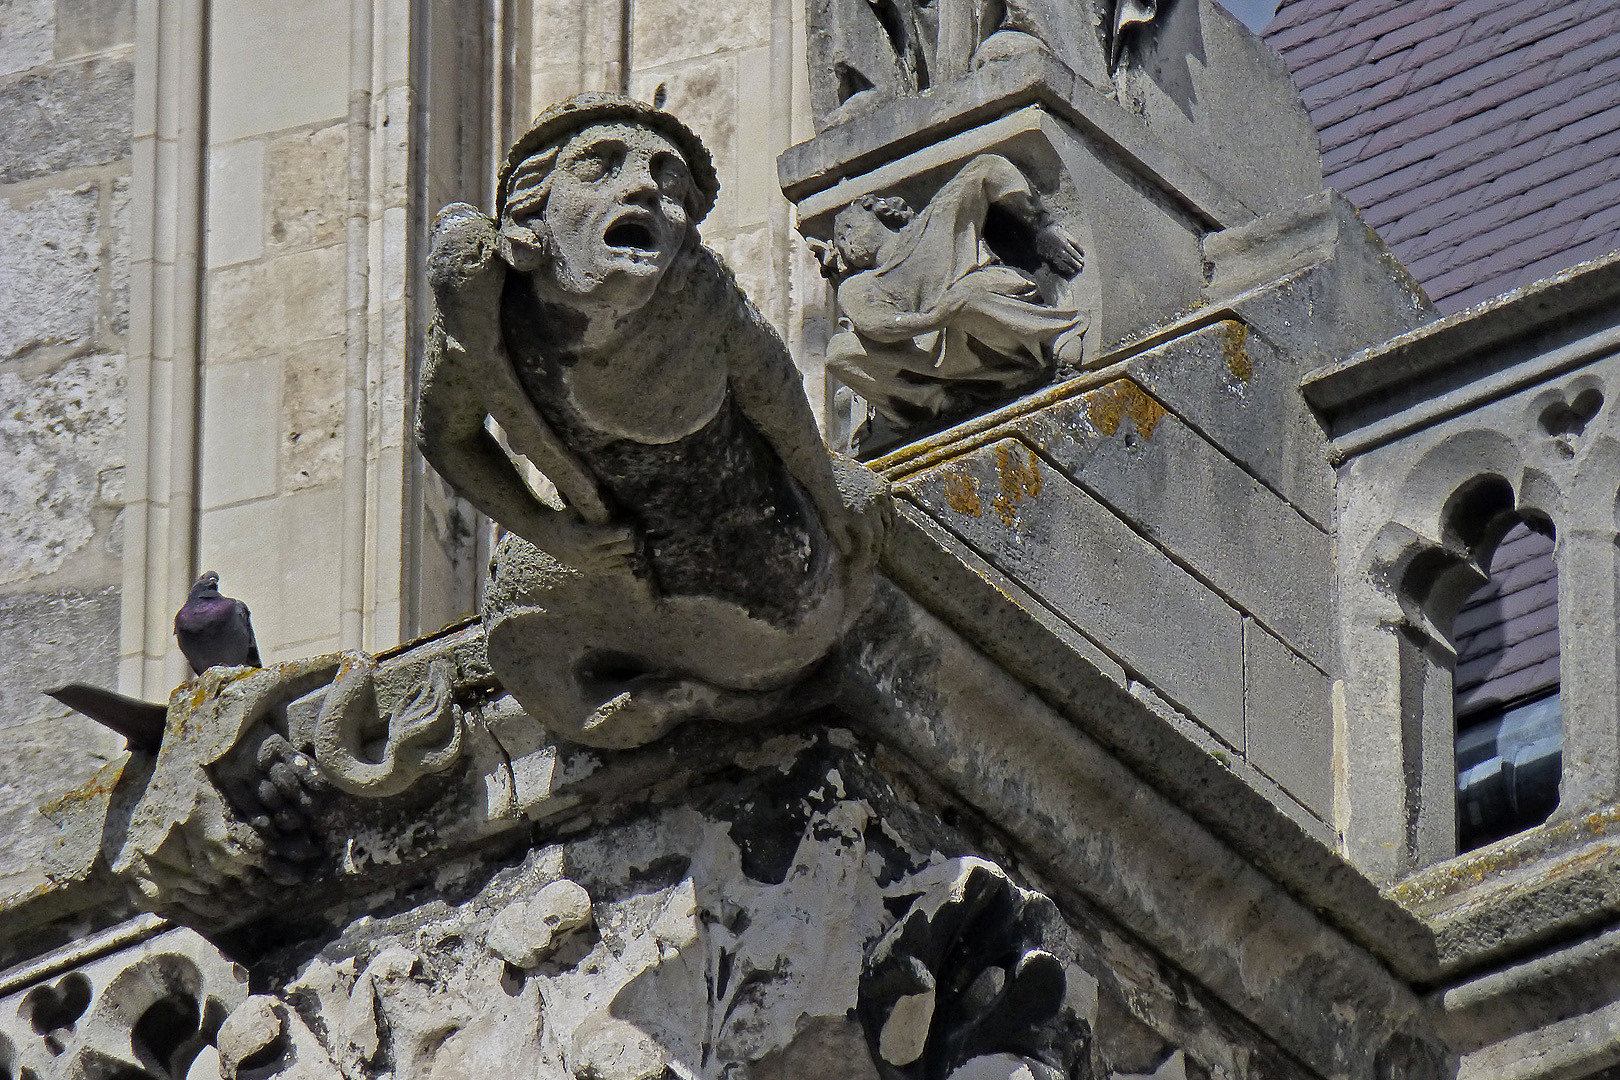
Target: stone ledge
(1467, 359)
(995, 90)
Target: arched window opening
(1509, 719)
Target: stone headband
(561, 121)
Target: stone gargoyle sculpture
(933, 324)
(707, 552)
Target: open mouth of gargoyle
(631, 234)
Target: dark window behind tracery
(1509, 715)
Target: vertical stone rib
(165, 337)
(356, 337)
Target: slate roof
(1481, 138)
(1507, 632)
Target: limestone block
(1288, 719)
(274, 67)
(1207, 86)
(309, 563)
(1315, 280)
(310, 433)
(87, 26)
(664, 31)
(274, 306)
(27, 31)
(58, 431)
(1149, 467)
(66, 117)
(1243, 394)
(306, 188)
(53, 638)
(115, 318)
(44, 758)
(748, 255)
(50, 252)
(241, 542)
(756, 190)
(240, 431)
(1072, 553)
(235, 202)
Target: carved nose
(637, 183)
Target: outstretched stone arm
(467, 379)
(770, 392)
(1005, 186)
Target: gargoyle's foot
(650, 706)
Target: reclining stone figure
(708, 551)
(932, 323)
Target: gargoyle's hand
(1059, 249)
(588, 547)
(465, 246)
(278, 797)
(861, 521)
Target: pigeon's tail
(139, 722)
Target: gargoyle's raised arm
(468, 378)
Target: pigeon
(215, 630)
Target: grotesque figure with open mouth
(703, 552)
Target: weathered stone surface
(54, 638)
(1243, 394)
(1076, 555)
(305, 188)
(1153, 470)
(1314, 280)
(1289, 719)
(43, 758)
(276, 305)
(703, 553)
(50, 256)
(65, 117)
(57, 432)
(27, 30)
(87, 26)
(115, 316)
(735, 918)
(311, 422)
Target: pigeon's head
(206, 586)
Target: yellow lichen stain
(1548, 845)
(1114, 402)
(1237, 355)
(1019, 478)
(962, 494)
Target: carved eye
(595, 161)
(590, 166)
(672, 176)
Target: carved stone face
(859, 231)
(617, 211)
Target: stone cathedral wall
(66, 97)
